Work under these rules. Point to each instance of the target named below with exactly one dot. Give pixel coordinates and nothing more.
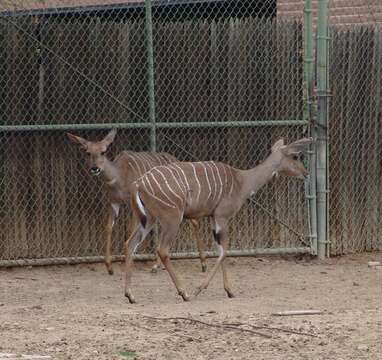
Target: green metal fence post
(150, 72)
(308, 116)
(322, 128)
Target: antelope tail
(140, 209)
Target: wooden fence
(355, 132)
(92, 71)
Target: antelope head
(289, 157)
(96, 151)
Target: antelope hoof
(184, 296)
(109, 269)
(130, 297)
(154, 269)
(198, 290)
(230, 294)
(204, 267)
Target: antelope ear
(109, 138)
(303, 142)
(277, 145)
(78, 140)
(298, 146)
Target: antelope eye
(103, 153)
(295, 157)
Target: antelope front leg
(220, 235)
(130, 246)
(109, 231)
(113, 214)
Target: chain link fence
(228, 79)
(355, 127)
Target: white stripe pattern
(208, 181)
(132, 157)
(225, 176)
(232, 180)
(168, 185)
(160, 188)
(220, 180)
(179, 177)
(147, 159)
(188, 188)
(214, 180)
(197, 181)
(143, 161)
(151, 193)
(146, 178)
(177, 181)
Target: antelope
(193, 190)
(118, 175)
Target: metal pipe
(308, 116)
(249, 123)
(147, 257)
(150, 72)
(143, 125)
(322, 120)
(327, 251)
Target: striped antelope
(193, 190)
(118, 176)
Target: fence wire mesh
(228, 81)
(355, 127)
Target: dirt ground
(79, 312)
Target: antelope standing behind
(118, 175)
(193, 190)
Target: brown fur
(175, 191)
(118, 176)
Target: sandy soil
(79, 312)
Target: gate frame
(316, 207)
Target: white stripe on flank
(143, 162)
(168, 185)
(214, 180)
(179, 177)
(159, 159)
(208, 181)
(232, 180)
(188, 188)
(152, 160)
(198, 182)
(146, 159)
(144, 179)
(140, 205)
(151, 193)
(136, 163)
(225, 176)
(177, 181)
(160, 188)
(220, 180)
(133, 164)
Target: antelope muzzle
(95, 171)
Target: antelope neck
(257, 177)
(110, 173)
